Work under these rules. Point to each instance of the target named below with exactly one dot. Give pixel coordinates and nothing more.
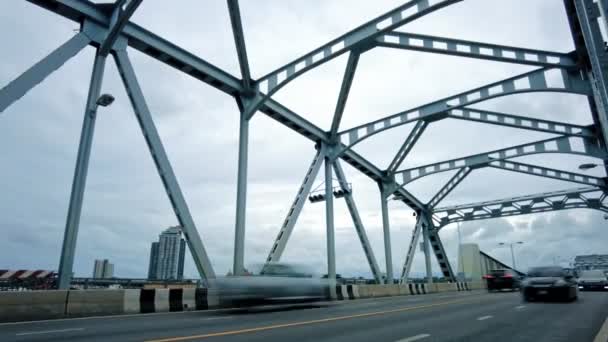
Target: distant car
(502, 279)
(274, 283)
(549, 282)
(592, 280)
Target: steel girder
(568, 145)
(296, 207)
(547, 80)
(408, 145)
(163, 166)
(347, 81)
(41, 70)
(449, 186)
(354, 213)
(550, 201)
(361, 39)
(239, 41)
(465, 48)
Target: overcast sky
(125, 207)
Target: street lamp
(512, 254)
(105, 100)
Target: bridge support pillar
(241, 197)
(68, 248)
(388, 254)
(426, 249)
(329, 220)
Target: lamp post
(511, 246)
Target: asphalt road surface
(464, 316)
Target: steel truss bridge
(106, 28)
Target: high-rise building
(103, 269)
(167, 255)
(153, 261)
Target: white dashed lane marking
(483, 318)
(414, 338)
(48, 331)
(520, 307)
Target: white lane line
(520, 307)
(483, 318)
(414, 338)
(602, 335)
(48, 331)
(217, 318)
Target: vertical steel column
(329, 221)
(163, 166)
(68, 248)
(241, 197)
(427, 252)
(388, 254)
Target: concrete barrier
(32, 305)
(161, 300)
(37, 305)
(189, 299)
(95, 303)
(131, 301)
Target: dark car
(502, 279)
(550, 282)
(592, 280)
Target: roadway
(460, 316)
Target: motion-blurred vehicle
(549, 282)
(273, 283)
(502, 279)
(592, 280)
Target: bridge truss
(106, 28)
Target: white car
(592, 280)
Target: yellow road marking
(295, 324)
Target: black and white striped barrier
(462, 286)
(169, 300)
(347, 292)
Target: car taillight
(507, 276)
(488, 277)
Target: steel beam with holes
(411, 251)
(354, 214)
(521, 122)
(407, 146)
(554, 145)
(540, 171)
(449, 186)
(522, 205)
(533, 81)
(239, 40)
(583, 14)
(296, 207)
(41, 70)
(347, 81)
(359, 39)
(163, 166)
(465, 48)
(440, 255)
